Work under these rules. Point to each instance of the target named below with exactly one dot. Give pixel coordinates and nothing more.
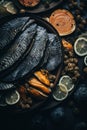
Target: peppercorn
(77, 12)
(81, 26)
(84, 21)
(71, 65)
(78, 17)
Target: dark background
(70, 114)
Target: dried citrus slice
(80, 46)
(67, 81)
(12, 97)
(60, 93)
(63, 21)
(85, 60)
(29, 3)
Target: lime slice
(67, 81)
(80, 46)
(12, 98)
(60, 93)
(85, 60)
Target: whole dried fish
(9, 30)
(53, 54)
(33, 59)
(18, 48)
(4, 86)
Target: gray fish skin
(9, 30)
(5, 86)
(33, 58)
(18, 48)
(54, 53)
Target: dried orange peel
(42, 77)
(38, 85)
(67, 44)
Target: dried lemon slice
(80, 46)
(60, 93)
(12, 98)
(67, 81)
(85, 60)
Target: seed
(78, 17)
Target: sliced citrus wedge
(85, 60)
(80, 46)
(12, 98)
(60, 93)
(67, 81)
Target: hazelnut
(77, 75)
(76, 68)
(70, 59)
(71, 54)
(75, 60)
(85, 69)
(65, 57)
(66, 62)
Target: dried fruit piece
(38, 85)
(67, 44)
(36, 93)
(42, 77)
